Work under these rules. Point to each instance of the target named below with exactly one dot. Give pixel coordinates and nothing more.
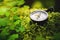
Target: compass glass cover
(39, 15)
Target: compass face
(39, 15)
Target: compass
(39, 15)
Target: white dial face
(39, 15)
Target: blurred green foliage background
(15, 21)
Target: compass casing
(39, 15)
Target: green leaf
(15, 17)
(14, 10)
(13, 3)
(17, 22)
(4, 32)
(3, 22)
(57, 36)
(26, 7)
(12, 27)
(39, 37)
(37, 4)
(3, 10)
(13, 37)
(22, 29)
(1, 0)
(20, 2)
(7, 13)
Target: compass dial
(39, 15)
